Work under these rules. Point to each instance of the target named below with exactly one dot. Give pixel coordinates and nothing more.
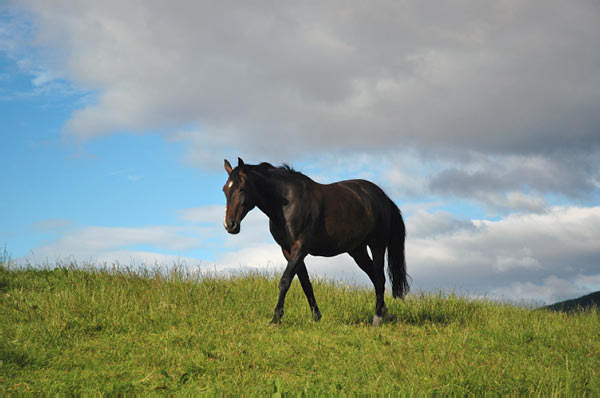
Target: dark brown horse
(322, 220)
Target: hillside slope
(73, 330)
(586, 302)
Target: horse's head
(240, 194)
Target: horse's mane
(285, 170)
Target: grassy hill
(90, 330)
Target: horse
(308, 218)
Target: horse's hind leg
(379, 282)
(374, 269)
(361, 256)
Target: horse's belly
(329, 245)
(325, 252)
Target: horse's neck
(272, 195)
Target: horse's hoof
(377, 320)
(316, 316)
(277, 315)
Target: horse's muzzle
(232, 226)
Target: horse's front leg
(302, 274)
(296, 256)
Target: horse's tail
(396, 261)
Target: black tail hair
(396, 260)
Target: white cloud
(254, 227)
(495, 258)
(110, 244)
(207, 214)
(256, 256)
(406, 184)
(519, 250)
(551, 289)
(522, 259)
(101, 238)
(543, 257)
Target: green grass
(74, 330)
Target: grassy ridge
(90, 330)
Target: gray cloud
(513, 84)
(510, 76)
(429, 225)
(520, 182)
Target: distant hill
(583, 302)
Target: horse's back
(350, 215)
(364, 187)
(369, 195)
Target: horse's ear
(228, 167)
(240, 162)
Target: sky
(480, 119)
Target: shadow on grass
(410, 319)
(425, 310)
(15, 357)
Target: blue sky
(479, 121)
(56, 184)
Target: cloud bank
(532, 257)
(509, 76)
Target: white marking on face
(225, 220)
(230, 184)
